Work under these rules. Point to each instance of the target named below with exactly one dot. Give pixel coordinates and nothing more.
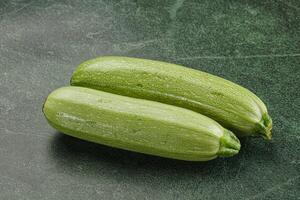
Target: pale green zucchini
(138, 125)
(233, 106)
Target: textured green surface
(138, 125)
(233, 106)
(253, 43)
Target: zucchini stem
(265, 127)
(229, 144)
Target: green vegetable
(233, 106)
(138, 125)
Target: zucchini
(233, 106)
(138, 125)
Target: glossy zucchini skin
(138, 125)
(233, 106)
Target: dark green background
(254, 43)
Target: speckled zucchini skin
(233, 106)
(138, 125)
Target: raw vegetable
(233, 106)
(138, 125)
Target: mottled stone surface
(254, 43)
